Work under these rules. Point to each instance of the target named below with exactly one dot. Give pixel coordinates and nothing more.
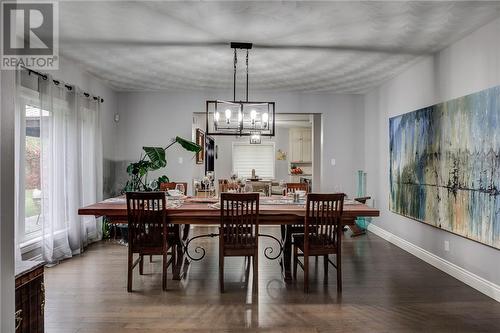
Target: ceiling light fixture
(255, 138)
(240, 117)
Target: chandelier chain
(247, 78)
(234, 75)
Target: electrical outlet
(446, 246)
(181, 160)
(333, 162)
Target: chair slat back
(226, 187)
(323, 222)
(147, 227)
(291, 187)
(239, 218)
(172, 185)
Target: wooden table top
(191, 208)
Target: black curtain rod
(56, 82)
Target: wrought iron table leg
(286, 266)
(180, 253)
(185, 232)
(179, 260)
(200, 251)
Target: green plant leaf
(130, 168)
(188, 145)
(144, 167)
(163, 179)
(156, 157)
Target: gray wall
(467, 66)
(149, 118)
(7, 96)
(282, 142)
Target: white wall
(153, 118)
(469, 65)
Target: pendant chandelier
(241, 118)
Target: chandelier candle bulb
(253, 115)
(228, 116)
(216, 119)
(265, 119)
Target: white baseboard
(486, 287)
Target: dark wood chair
(176, 229)
(226, 187)
(292, 187)
(148, 232)
(172, 185)
(322, 235)
(239, 229)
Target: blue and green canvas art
(445, 166)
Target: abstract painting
(200, 140)
(445, 166)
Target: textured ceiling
(343, 47)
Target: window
(59, 158)
(259, 157)
(32, 171)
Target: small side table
(30, 297)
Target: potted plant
(154, 158)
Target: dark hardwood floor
(385, 290)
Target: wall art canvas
(200, 140)
(445, 166)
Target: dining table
(194, 211)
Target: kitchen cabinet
(300, 145)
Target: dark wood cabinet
(30, 297)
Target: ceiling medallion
(241, 118)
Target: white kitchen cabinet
(300, 145)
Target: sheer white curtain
(70, 166)
(90, 166)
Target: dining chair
(239, 229)
(226, 187)
(322, 235)
(175, 228)
(148, 232)
(292, 187)
(171, 186)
